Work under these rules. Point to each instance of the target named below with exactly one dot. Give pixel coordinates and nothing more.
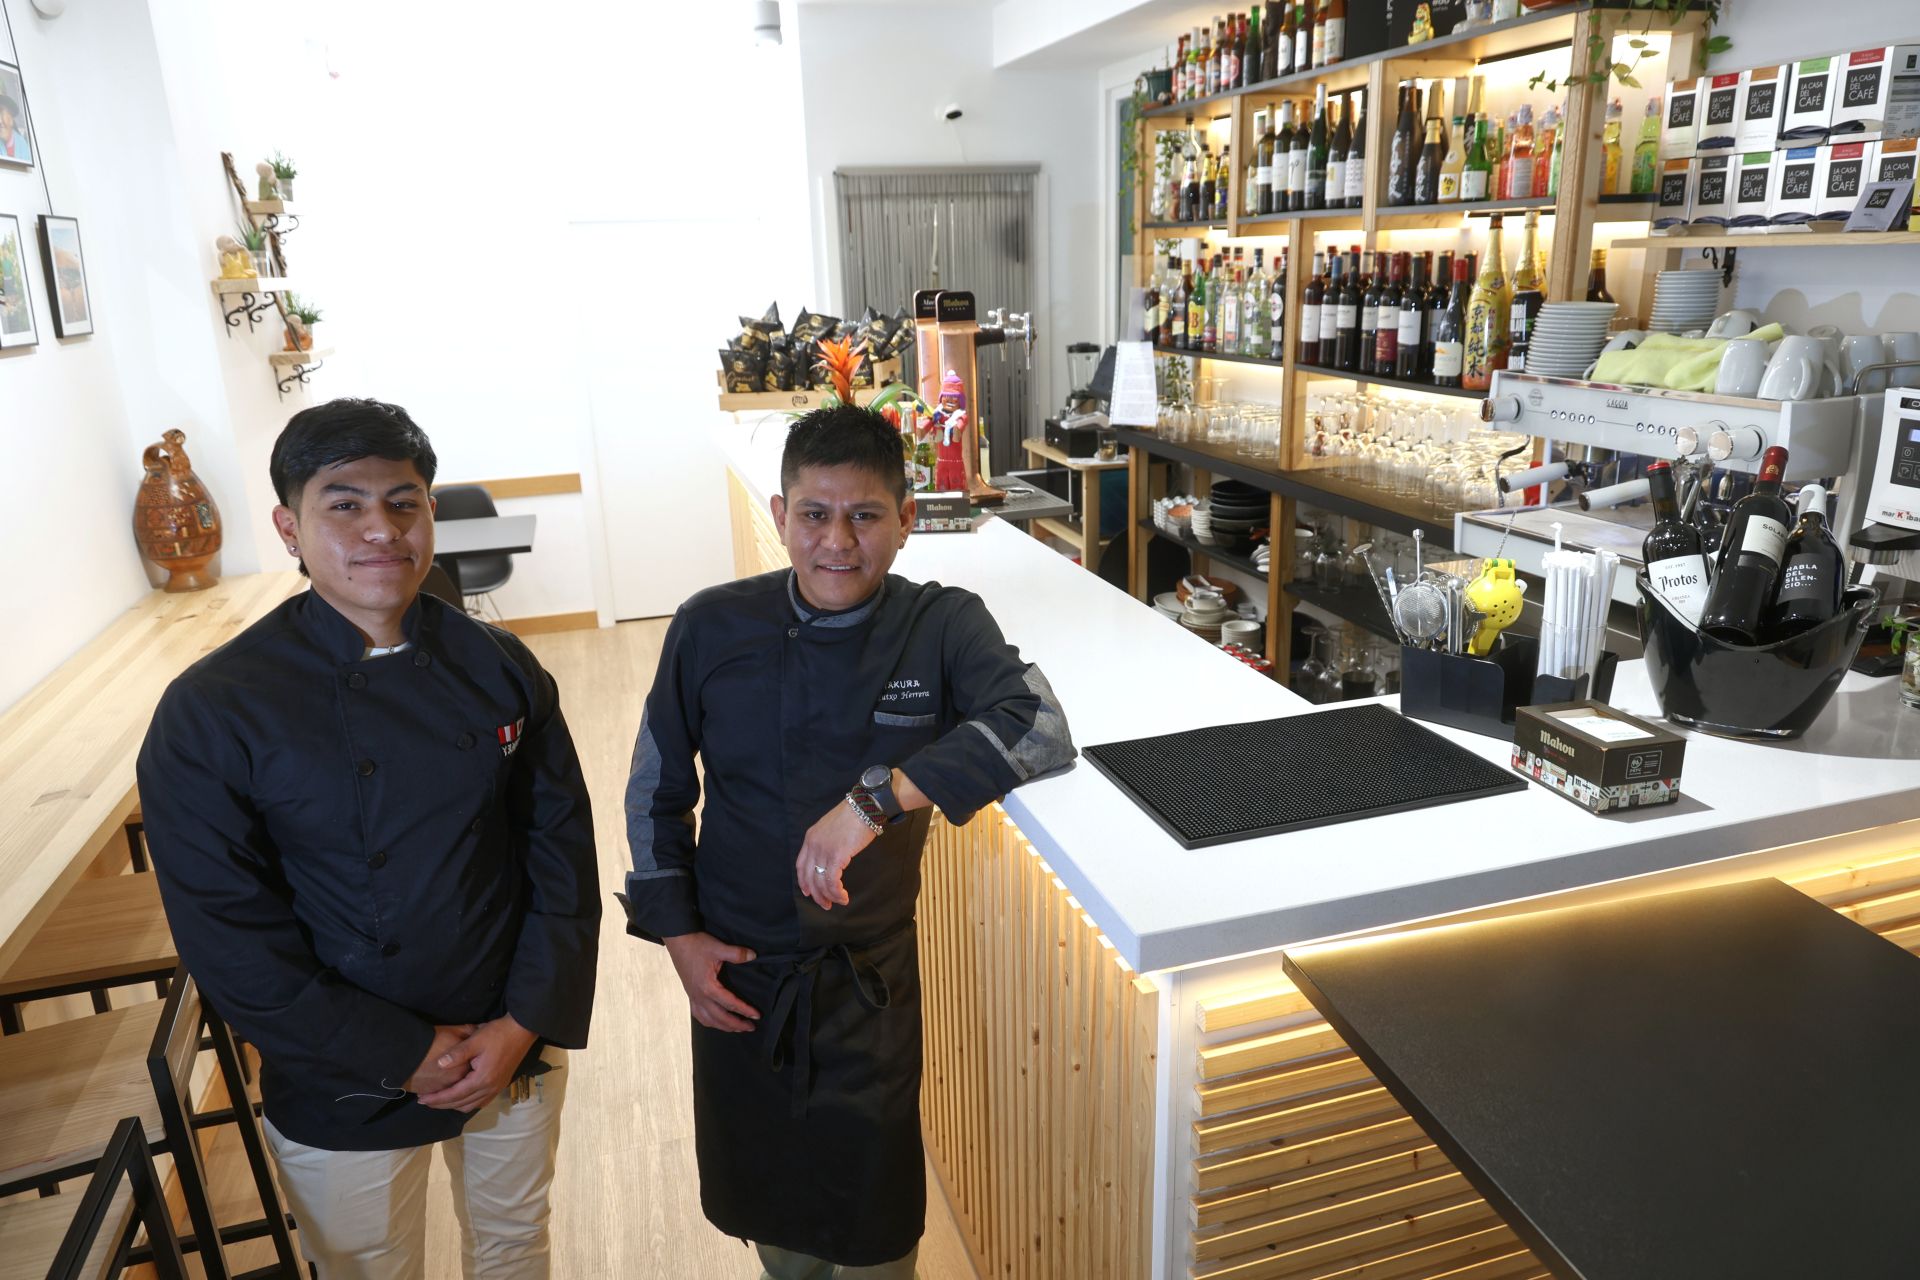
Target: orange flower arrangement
(839, 360)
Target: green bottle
(1476, 179)
(1646, 151)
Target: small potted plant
(302, 317)
(257, 247)
(283, 175)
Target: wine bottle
(1676, 563)
(1302, 37)
(1400, 155)
(1372, 288)
(1182, 295)
(1476, 175)
(1597, 278)
(1256, 334)
(1277, 311)
(1319, 45)
(1283, 37)
(1529, 295)
(1337, 147)
(1336, 37)
(1752, 550)
(1223, 185)
(1813, 577)
(1331, 326)
(1453, 164)
(1413, 317)
(1254, 68)
(1426, 173)
(1450, 331)
(1151, 303)
(1261, 197)
(1297, 165)
(1386, 338)
(1489, 312)
(1346, 349)
(1317, 151)
(1356, 176)
(1209, 178)
(1310, 303)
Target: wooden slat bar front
(67, 749)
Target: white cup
(1241, 631)
(1742, 365)
(1902, 346)
(1857, 353)
(1796, 370)
(1734, 324)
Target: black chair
(90, 1236)
(476, 575)
(441, 584)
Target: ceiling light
(766, 21)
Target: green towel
(1679, 364)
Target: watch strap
(867, 806)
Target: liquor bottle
(1302, 36)
(1283, 37)
(1610, 149)
(1646, 151)
(1253, 50)
(1543, 141)
(1559, 153)
(1319, 43)
(1337, 144)
(1331, 325)
(1151, 305)
(1346, 338)
(1311, 299)
(1336, 37)
(1529, 294)
(1218, 287)
(1197, 309)
(1179, 85)
(1163, 314)
(1190, 188)
(1488, 312)
(1450, 332)
(1250, 172)
(1283, 162)
(1317, 151)
(1277, 312)
(1676, 564)
(1401, 157)
(1356, 176)
(1453, 163)
(1196, 78)
(1182, 307)
(1752, 549)
(1236, 54)
(1426, 173)
(1520, 157)
(1813, 577)
(1209, 177)
(1439, 294)
(1497, 156)
(1476, 176)
(1597, 278)
(1413, 316)
(1386, 334)
(1223, 185)
(1297, 164)
(1372, 287)
(1210, 69)
(1256, 328)
(1230, 313)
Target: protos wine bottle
(1751, 552)
(1676, 564)
(1813, 577)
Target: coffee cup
(1742, 365)
(1859, 353)
(1734, 324)
(1796, 371)
(1902, 346)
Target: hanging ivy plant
(1130, 117)
(1673, 11)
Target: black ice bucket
(1769, 691)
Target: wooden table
(1085, 536)
(67, 749)
(1710, 1083)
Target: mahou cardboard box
(1680, 130)
(1760, 107)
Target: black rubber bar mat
(1237, 781)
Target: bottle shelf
(1183, 226)
(1218, 355)
(1320, 220)
(1435, 215)
(1398, 384)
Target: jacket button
(421, 657)
(793, 633)
(391, 950)
(477, 824)
(357, 681)
(464, 741)
(366, 768)
(377, 861)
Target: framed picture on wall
(16, 303)
(16, 146)
(66, 276)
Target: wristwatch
(873, 799)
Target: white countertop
(1122, 671)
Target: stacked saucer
(1567, 337)
(1684, 301)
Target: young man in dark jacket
(375, 847)
(831, 705)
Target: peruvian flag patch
(509, 735)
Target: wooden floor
(626, 1198)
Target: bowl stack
(1684, 301)
(1235, 510)
(1567, 337)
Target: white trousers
(363, 1214)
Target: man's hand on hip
(697, 958)
(481, 1065)
(830, 845)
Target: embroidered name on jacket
(509, 735)
(905, 693)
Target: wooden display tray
(884, 371)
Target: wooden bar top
(67, 748)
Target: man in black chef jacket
(830, 705)
(374, 844)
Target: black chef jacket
(807, 1128)
(353, 850)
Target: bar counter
(1121, 1080)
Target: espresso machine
(1593, 433)
(1888, 539)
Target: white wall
(874, 79)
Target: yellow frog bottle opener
(1496, 595)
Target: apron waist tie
(790, 1020)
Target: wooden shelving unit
(1396, 384)
(1773, 240)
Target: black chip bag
(902, 335)
(807, 325)
(745, 371)
(752, 338)
(780, 366)
(771, 320)
(863, 372)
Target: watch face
(876, 777)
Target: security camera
(951, 111)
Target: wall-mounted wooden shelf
(1444, 215)
(1774, 240)
(272, 208)
(1397, 384)
(289, 359)
(1220, 355)
(293, 368)
(254, 284)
